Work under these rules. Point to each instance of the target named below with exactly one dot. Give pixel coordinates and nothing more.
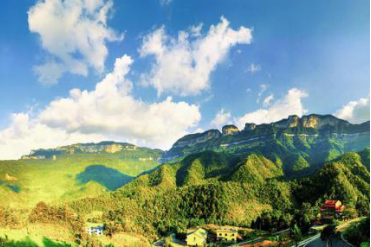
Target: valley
(266, 178)
(66, 176)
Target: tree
(363, 207)
(296, 234)
(305, 223)
(328, 234)
(350, 213)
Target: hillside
(266, 176)
(348, 180)
(300, 144)
(72, 172)
(217, 188)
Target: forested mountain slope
(212, 187)
(300, 144)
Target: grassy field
(47, 235)
(50, 235)
(23, 183)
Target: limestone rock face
(316, 121)
(291, 122)
(230, 130)
(311, 121)
(193, 139)
(113, 148)
(107, 146)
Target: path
(319, 243)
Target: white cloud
(183, 65)
(74, 33)
(222, 118)
(25, 134)
(288, 105)
(254, 68)
(108, 112)
(355, 111)
(268, 100)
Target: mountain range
(290, 148)
(299, 144)
(235, 177)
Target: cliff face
(193, 139)
(308, 131)
(105, 147)
(230, 130)
(311, 121)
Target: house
(95, 230)
(331, 209)
(226, 234)
(196, 237)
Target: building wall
(223, 236)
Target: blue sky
(302, 57)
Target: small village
(213, 235)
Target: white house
(95, 230)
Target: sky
(149, 72)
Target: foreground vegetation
(358, 233)
(208, 188)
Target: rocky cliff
(80, 148)
(313, 135)
(311, 121)
(193, 139)
(230, 130)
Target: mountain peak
(314, 121)
(230, 129)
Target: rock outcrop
(316, 127)
(230, 130)
(190, 140)
(311, 121)
(53, 153)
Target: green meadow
(27, 242)
(23, 183)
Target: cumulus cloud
(25, 134)
(107, 112)
(222, 117)
(74, 34)
(282, 108)
(183, 64)
(355, 111)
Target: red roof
(330, 203)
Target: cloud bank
(355, 111)
(109, 112)
(74, 34)
(222, 118)
(290, 104)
